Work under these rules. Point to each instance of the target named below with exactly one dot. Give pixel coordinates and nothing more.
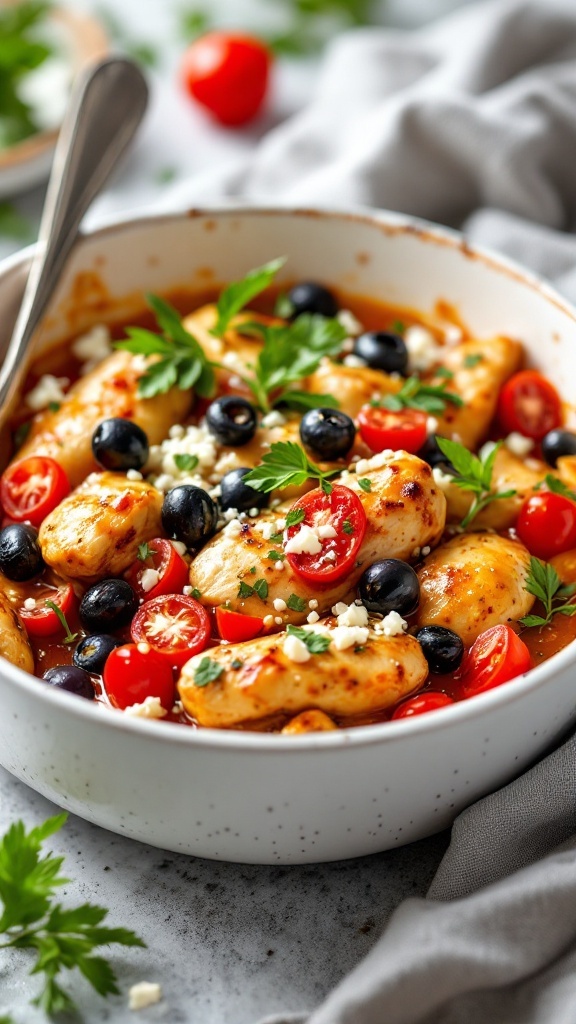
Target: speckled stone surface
(228, 943)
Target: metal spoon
(105, 110)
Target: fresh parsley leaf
(145, 552)
(69, 637)
(62, 938)
(25, 47)
(185, 462)
(182, 362)
(365, 485)
(276, 538)
(293, 517)
(196, 594)
(245, 590)
(276, 556)
(238, 294)
(556, 486)
(207, 672)
(295, 603)
(285, 464)
(283, 307)
(398, 327)
(316, 643)
(427, 398)
(304, 400)
(53, 406)
(545, 584)
(443, 371)
(472, 360)
(252, 569)
(347, 526)
(261, 588)
(474, 475)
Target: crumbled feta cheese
(279, 604)
(144, 994)
(226, 462)
(187, 590)
(431, 424)
(339, 608)
(178, 546)
(312, 617)
(150, 708)
(232, 361)
(94, 346)
(426, 550)
(326, 532)
(279, 566)
(442, 479)
(149, 579)
(355, 362)
(344, 637)
(423, 349)
(375, 462)
(280, 525)
(47, 390)
(177, 430)
(164, 482)
(393, 624)
(305, 541)
(295, 649)
(229, 514)
(196, 441)
(278, 620)
(349, 321)
(268, 621)
(330, 556)
(29, 604)
(134, 474)
(533, 464)
(518, 444)
(266, 528)
(453, 334)
(273, 419)
(313, 603)
(254, 512)
(233, 528)
(355, 615)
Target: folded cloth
(472, 122)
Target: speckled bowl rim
(357, 736)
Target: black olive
(310, 297)
(20, 555)
(107, 606)
(382, 350)
(119, 444)
(189, 515)
(70, 678)
(389, 586)
(92, 652)
(329, 433)
(442, 648)
(234, 493)
(430, 452)
(557, 443)
(232, 420)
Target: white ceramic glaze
(269, 798)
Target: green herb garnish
(285, 464)
(260, 588)
(472, 360)
(196, 594)
(365, 484)
(61, 938)
(293, 517)
(21, 51)
(316, 643)
(295, 603)
(544, 582)
(276, 538)
(245, 590)
(185, 463)
(237, 295)
(427, 398)
(207, 672)
(556, 486)
(69, 637)
(276, 556)
(474, 475)
(145, 552)
(444, 372)
(398, 327)
(347, 526)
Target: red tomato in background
(130, 676)
(381, 428)
(546, 524)
(236, 627)
(175, 626)
(496, 656)
(43, 621)
(31, 488)
(419, 705)
(342, 510)
(529, 404)
(227, 73)
(166, 560)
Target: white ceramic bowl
(269, 798)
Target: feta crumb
(94, 346)
(164, 482)
(344, 637)
(279, 604)
(326, 532)
(280, 525)
(518, 444)
(226, 462)
(393, 624)
(375, 462)
(431, 424)
(354, 615)
(47, 390)
(134, 474)
(453, 334)
(273, 419)
(233, 528)
(533, 464)
(313, 603)
(233, 362)
(176, 431)
(426, 550)
(330, 556)
(266, 528)
(254, 512)
(442, 479)
(279, 566)
(278, 620)
(349, 321)
(423, 349)
(305, 541)
(295, 649)
(268, 620)
(339, 608)
(149, 579)
(150, 708)
(144, 994)
(187, 590)
(355, 362)
(312, 617)
(178, 546)
(29, 604)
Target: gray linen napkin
(471, 122)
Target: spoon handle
(105, 109)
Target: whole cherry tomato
(227, 73)
(546, 524)
(31, 488)
(381, 428)
(235, 627)
(131, 675)
(342, 513)
(423, 702)
(174, 625)
(496, 656)
(165, 560)
(529, 404)
(43, 620)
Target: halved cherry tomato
(32, 488)
(529, 404)
(131, 675)
(546, 524)
(165, 560)
(496, 656)
(42, 620)
(423, 702)
(227, 73)
(235, 627)
(381, 428)
(343, 511)
(175, 626)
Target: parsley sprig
(182, 362)
(69, 636)
(21, 52)
(316, 643)
(237, 295)
(287, 464)
(61, 938)
(556, 486)
(474, 475)
(429, 398)
(544, 582)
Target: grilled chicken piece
(309, 721)
(350, 682)
(510, 474)
(405, 511)
(14, 644)
(96, 530)
(474, 581)
(353, 386)
(109, 390)
(478, 385)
